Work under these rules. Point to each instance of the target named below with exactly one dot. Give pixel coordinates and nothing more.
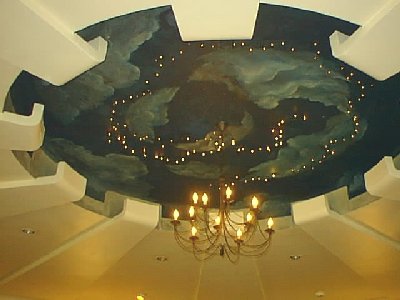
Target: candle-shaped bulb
(194, 231)
(176, 214)
(217, 220)
(191, 211)
(254, 202)
(270, 223)
(228, 192)
(204, 198)
(249, 217)
(195, 197)
(239, 234)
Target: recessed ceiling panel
(298, 123)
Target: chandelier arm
(229, 218)
(198, 258)
(204, 211)
(231, 226)
(200, 229)
(246, 249)
(207, 233)
(180, 241)
(181, 236)
(234, 222)
(256, 249)
(208, 229)
(228, 244)
(231, 252)
(180, 232)
(183, 247)
(198, 217)
(212, 244)
(253, 247)
(209, 239)
(197, 253)
(266, 238)
(202, 241)
(262, 232)
(210, 250)
(212, 241)
(250, 232)
(235, 258)
(190, 244)
(256, 252)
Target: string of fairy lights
(165, 150)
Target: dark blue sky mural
(298, 123)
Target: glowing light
(239, 234)
(195, 198)
(254, 202)
(204, 198)
(228, 192)
(191, 211)
(270, 223)
(194, 231)
(176, 214)
(249, 217)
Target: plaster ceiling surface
(180, 276)
(304, 124)
(380, 215)
(138, 123)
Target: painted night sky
(303, 123)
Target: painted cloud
(103, 172)
(272, 76)
(150, 111)
(95, 86)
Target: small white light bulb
(204, 198)
(191, 211)
(249, 217)
(239, 234)
(194, 231)
(176, 214)
(270, 223)
(254, 202)
(195, 197)
(228, 192)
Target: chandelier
(221, 231)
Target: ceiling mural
(147, 121)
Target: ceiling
(95, 156)
(297, 114)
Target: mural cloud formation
(94, 87)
